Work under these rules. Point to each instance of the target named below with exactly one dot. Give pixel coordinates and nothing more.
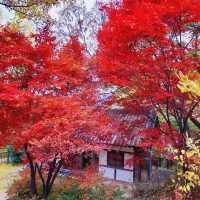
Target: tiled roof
(128, 134)
(132, 124)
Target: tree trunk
(41, 176)
(54, 170)
(33, 187)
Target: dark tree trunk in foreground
(54, 168)
(33, 187)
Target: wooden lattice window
(115, 159)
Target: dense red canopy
(47, 96)
(142, 47)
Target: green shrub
(74, 193)
(104, 192)
(14, 156)
(119, 195)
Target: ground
(8, 173)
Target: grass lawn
(8, 173)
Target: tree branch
(189, 114)
(195, 121)
(17, 6)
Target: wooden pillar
(115, 174)
(139, 172)
(134, 174)
(149, 168)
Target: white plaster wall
(103, 157)
(107, 172)
(127, 158)
(123, 175)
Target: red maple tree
(48, 103)
(142, 47)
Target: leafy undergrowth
(164, 191)
(93, 187)
(72, 188)
(8, 173)
(75, 189)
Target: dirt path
(7, 174)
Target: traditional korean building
(122, 159)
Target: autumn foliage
(32, 71)
(143, 47)
(147, 49)
(48, 102)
